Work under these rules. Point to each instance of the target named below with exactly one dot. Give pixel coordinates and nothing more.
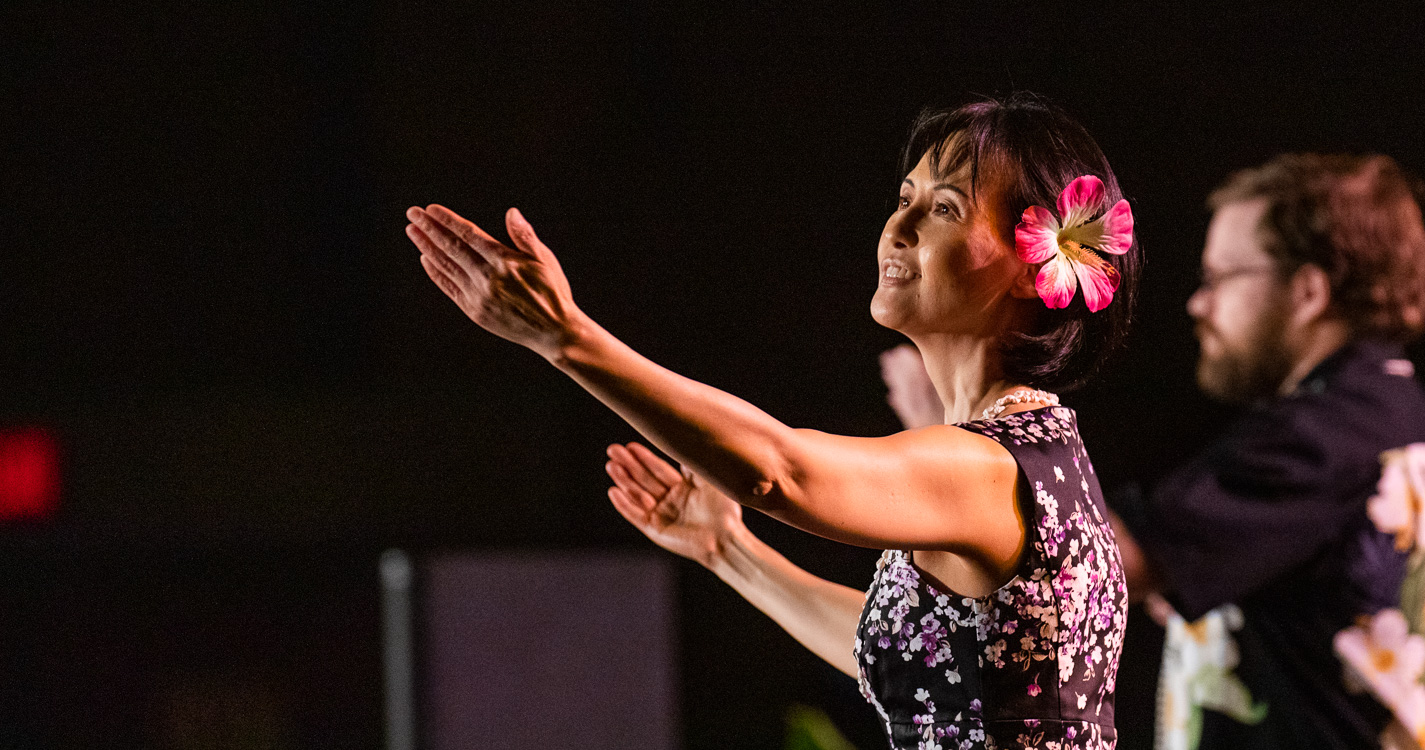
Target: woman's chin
(889, 316)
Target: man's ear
(1023, 285)
(1310, 294)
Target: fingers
(446, 284)
(461, 226)
(656, 466)
(636, 499)
(489, 248)
(431, 253)
(474, 257)
(522, 233)
(629, 482)
(636, 471)
(629, 508)
(622, 466)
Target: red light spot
(29, 474)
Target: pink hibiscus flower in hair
(1069, 246)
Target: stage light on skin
(29, 474)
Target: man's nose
(1198, 304)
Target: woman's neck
(966, 372)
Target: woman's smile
(896, 273)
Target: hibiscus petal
(1110, 233)
(1080, 200)
(1036, 236)
(1099, 279)
(1117, 229)
(1056, 282)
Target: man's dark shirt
(1272, 517)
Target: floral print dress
(1032, 665)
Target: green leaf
(810, 728)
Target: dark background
(206, 294)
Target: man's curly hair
(1358, 218)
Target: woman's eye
(943, 209)
(903, 201)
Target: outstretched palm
(679, 511)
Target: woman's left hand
(677, 510)
(518, 293)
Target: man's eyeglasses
(1209, 280)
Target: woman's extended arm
(685, 515)
(924, 489)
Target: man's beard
(1251, 369)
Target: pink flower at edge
(1069, 250)
(1389, 660)
(1398, 507)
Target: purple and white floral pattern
(1032, 665)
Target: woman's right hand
(678, 510)
(517, 293)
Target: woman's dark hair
(1039, 150)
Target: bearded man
(1313, 279)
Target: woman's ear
(1023, 285)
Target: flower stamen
(1076, 252)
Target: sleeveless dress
(1032, 665)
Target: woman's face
(947, 261)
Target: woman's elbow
(775, 482)
(765, 493)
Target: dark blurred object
(224, 713)
(516, 651)
(228, 647)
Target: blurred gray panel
(399, 650)
(549, 650)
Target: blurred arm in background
(909, 390)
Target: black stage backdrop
(206, 293)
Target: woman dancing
(996, 617)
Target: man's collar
(1358, 355)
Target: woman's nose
(900, 229)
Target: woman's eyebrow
(940, 186)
